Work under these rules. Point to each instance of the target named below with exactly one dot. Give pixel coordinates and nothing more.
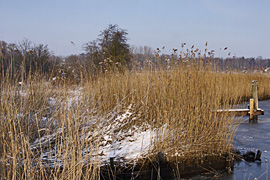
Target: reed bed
(61, 130)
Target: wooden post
(111, 162)
(255, 97)
(255, 94)
(251, 108)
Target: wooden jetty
(242, 112)
(253, 110)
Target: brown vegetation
(56, 130)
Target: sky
(241, 25)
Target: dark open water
(251, 137)
(254, 136)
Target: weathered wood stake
(255, 97)
(111, 162)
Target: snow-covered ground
(113, 137)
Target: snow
(116, 138)
(112, 135)
(129, 148)
(231, 110)
(125, 144)
(73, 97)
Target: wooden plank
(239, 112)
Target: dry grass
(56, 131)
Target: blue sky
(241, 25)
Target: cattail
(183, 44)
(31, 51)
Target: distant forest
(29, 58)
(111, 52)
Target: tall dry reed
(55, 130)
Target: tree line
(24, 58)
(109, 52)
